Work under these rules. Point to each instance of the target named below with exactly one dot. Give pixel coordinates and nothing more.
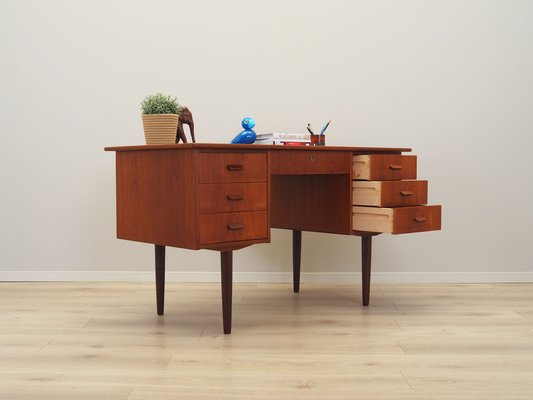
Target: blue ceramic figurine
(248, 135)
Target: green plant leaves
(160, 104)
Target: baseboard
(270, 277)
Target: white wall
(451, 79)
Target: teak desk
(226, 197)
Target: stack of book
(284, 138)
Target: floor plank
(104, 341)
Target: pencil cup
(318, 140)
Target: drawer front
(384, 167)
(390, 193)
(231, 197)
(309, 162)
(397, 220)
(232, 227)
(232, 167)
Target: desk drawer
(232, 227)
(296, 162)
(384, 167)
(396, 220)
(232, 167)
(390, 193)
(231, 197)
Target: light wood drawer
(390, 193)
(231, 197)
(384, 167)
(396, 220)
(232, 167)
(231, 227)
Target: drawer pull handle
(235, 227)
(395, 167)
(235, 197)
(235, 167)
(406, 193)
(419, 219)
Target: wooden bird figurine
(185, 119)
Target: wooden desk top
(224, 146)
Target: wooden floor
(104, 341)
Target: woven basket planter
(160, 128)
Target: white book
(290, 136)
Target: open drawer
(384, 167)
(390, 193)
(397, 220)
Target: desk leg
(366, 245)
(160, 278)
(296, 259)
(226, 270)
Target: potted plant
(160, 116)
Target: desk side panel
(156, 197)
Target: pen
(310, 129)
(324, 128)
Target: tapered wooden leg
(160, 278)
(226, 270)
(296, 259)
(366, 244)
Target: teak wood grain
(390, 193)
(159, 199)
(156, 200)
(218, 147)
(231, 227)
(310, 162)
(231, 197)
(232, 167)
(397, 220)
(226, 197)
(381, 167)
(318, 203)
